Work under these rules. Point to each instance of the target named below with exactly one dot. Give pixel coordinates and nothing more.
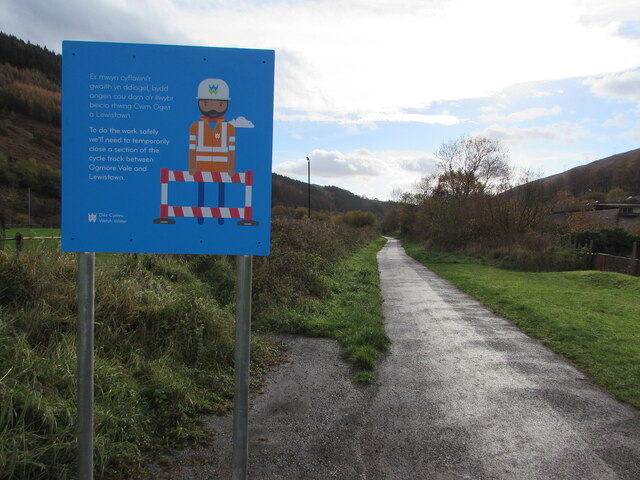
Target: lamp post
(309, 185)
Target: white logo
(93, 217)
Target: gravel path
(462, 394)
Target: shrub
(302, 251)
(551, 259)
(613, 241)
(359, 219)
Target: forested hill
(292, 193)
(30, 78)
(621, 171)
(25, 56)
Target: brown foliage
(30, 93)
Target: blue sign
(166, 149)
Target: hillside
(22, 137)
(617, 171)
(293, 193)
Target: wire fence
(19, 240)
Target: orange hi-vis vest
(212, 146)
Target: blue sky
(369, 89)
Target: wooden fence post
(19, 242)
(633, 266)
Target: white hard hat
(213, 89)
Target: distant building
(599, 215)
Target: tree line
(27, 56)
(469, 199)
(477, 204)
(30, 78)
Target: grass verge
(163, 356)
(163, 342)
(351, 312)
(592, 318)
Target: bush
(612, 241)
(359, 219)
(217, 273)
(552, 259)
(302, 251)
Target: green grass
(32, 232)
(351, 313)
(592, 318)
(163, 356)
(30, 245)
(45, 245)
(164, 341)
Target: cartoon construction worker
(212, 150)
(212, 140)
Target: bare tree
(472, 163)
(396, 194)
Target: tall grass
(163, 344)
(350, 311)
(164, 352)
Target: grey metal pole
(86, 309)
(241, 372)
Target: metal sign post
(86, 298)
(241, 371)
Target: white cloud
(634, 134)
(562, 132)
(364, 64)
(409, 117)
(521, 116)
(48, 23)
(549, 162)
(356, 57)
(622, 86)
(369, 119)
(374, 174)
(330, 164)
(618, 120)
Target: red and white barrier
(168, 211)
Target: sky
(370, 89)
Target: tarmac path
(462, 394)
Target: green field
(10, 245)
(592, 318)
